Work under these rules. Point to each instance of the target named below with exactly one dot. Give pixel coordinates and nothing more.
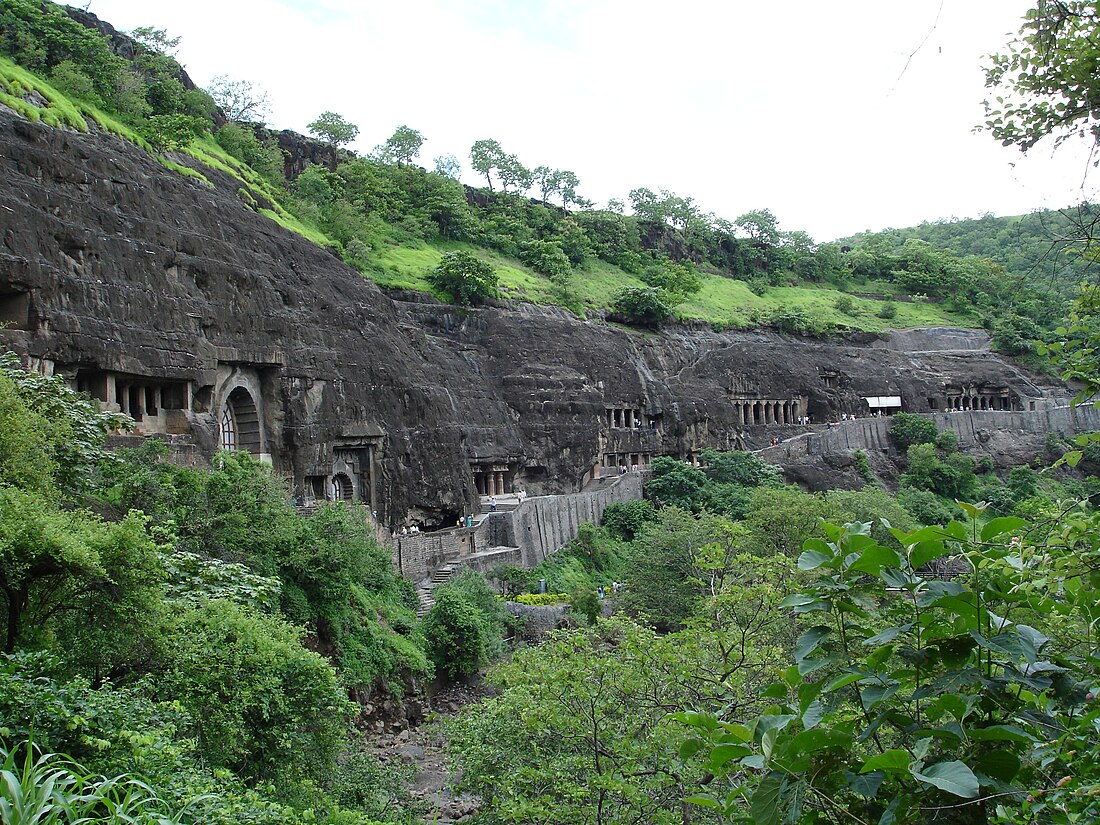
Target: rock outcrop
(168, 298)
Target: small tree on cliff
(332, 127)
(464, 277)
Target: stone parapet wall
(544, 524)
(532, 531)
(873, 433)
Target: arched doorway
(342, 488)
(239, 423)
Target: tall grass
(50, 789)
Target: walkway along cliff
(170, 299)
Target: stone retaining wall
(538, 527)
(542, 525)
(872, 433)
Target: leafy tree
(333, 128)
(55, 564)
(580, 730)
(240, 100)
(448, 166)
(547, 180)
(487, 156)
(260, 703)
(513, 174)
(1045, 78)
(662, 576)
(464, 277)
(402, 146)
(156, 40)
(761, 226)
(938, 699)
(51, 434)
(675, 483)
(738, 467)
(567, 184)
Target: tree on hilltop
(486, 157)
(240, 100)
(402, 146)
(333, 128)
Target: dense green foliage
(465, 627)
(464, 278)
(153, 638)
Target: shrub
(464, 277)
(464, 629)
(907, 429)
(925, 506)
(791, 320)
(845, 304)
(242, 143)
(863, 465)
(455, 635)
(888, 310)
(643, 305)
(168, 133)
(677, 280)
(586, 603)
(947, 442)
(548, 258)
(951, 477)
(542, 599)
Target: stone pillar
(769, 412)
(372, 479)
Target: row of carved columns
(978, 402)
(752, 413)
(494, 482)
(628, 417)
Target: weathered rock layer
(167, 297)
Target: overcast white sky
(801, 107)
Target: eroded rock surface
(169, 298)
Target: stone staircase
(441, 575)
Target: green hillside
(1042, 247)
(652, 257)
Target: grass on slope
(722, 301)
(16, 83)
(58, 110)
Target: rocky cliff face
(167, 297)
